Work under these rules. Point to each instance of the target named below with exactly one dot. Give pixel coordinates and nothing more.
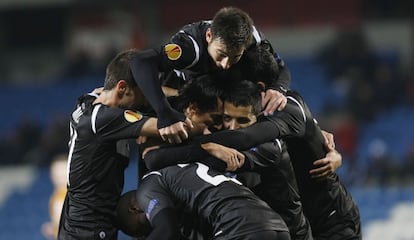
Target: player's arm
(283, 124)
(172, 155)
(327, 165)
(263, 156)
(224, 158)
(243, 139)
(144, 67)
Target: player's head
(130, 218)
(259, 65)
(242, 105)
(229, 35)
(200, 101)
(119, 79)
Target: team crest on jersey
(173, 51)
(132, 116)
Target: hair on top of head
(233, 26)
(258, 65)
(244, 93)
(202, 91)
(119, 69)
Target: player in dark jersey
(276, 183)
(330, 208)
(100, 128)
(232, 210)
(327, 204)
(200, 48)
(200, 102)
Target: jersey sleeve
(263, 156)
(153, 196)
(181, 52)
(171, 155)
(243, 139)
(145, 67)
(291, 122)
(287, 123)
(154, 199)
(114, 123)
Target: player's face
(237, 117)
(203, 120)
(220, 53)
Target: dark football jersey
(185, 56)
(187, 50)
(98, 156)
(231, 209)
(278, 186)
(267, 171)
(327, 204)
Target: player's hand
(273, 100)
(98, 90)
(233, 158)
(326, 165)
(329, 140)
(177, 132)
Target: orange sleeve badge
(173, 51)
(132, 116)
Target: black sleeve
(256, 158)
(288, 123)
(165, 226)
(167, 156)
(261, 157)
(243, 139)
(145, 72)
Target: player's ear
(191, 110)
(261, 85)
(121, 86)
(209, 35)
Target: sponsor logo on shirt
(173, 51)
(132, 116)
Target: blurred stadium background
(352, 60)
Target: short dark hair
(244, 93)
(202, 91)
(233, 26)
(118, 69)
(259, 64)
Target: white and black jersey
(183, 57)
(98, 156)
(330, 208)
(267, 172)
(231, 209)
